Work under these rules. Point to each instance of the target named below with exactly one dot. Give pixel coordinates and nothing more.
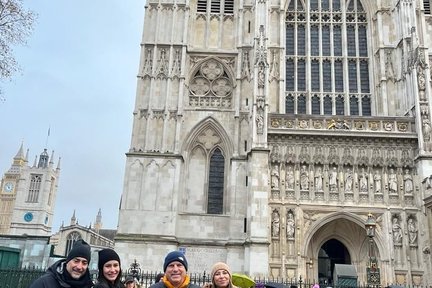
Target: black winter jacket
(55, 278)
(105, 284)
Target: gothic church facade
(266, 133)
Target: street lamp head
(370, 225)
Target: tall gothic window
(215, 6)
(216, 183)
(327, 58)
(70, 240)
(35, 183)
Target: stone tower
(28, 195)
(266, 133)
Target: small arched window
(70, 241)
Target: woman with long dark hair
(109, 270)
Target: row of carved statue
(397, 230)
(344, 180)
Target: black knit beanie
(79, 249)
(175, 256)
(106, 255)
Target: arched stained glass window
(333, 60)
(216, 183)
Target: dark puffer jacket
(57, 277)
(105, 284)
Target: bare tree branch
(16, 25)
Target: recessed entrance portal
(331, 252)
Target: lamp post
(372, 270)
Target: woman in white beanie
(220, 276)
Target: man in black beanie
(72, 272)
(175, 267)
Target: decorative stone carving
(275, 177)
(392, 181)
(162, 66)
(304, 178)
(148, 62)
(338, 125)
(246, 70)
(427, 134)
(275, 154)
(389, 70)
(412, 231)
(274, 65)
(363, 181)
(333, 157)
(289, 178)
(211, 86)
(290, 225)
(348, 180)
(275, 228)
(333, 179)
(396, 231)
(408, 182)
(176, 67)
(377, 182)
(318, 176)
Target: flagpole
(48, 134)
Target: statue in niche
(363, 181)
(389, 65)
(333, 181)
(377, 181)
(426, 133)
(304, 178)
(392, 181)
(275, 223)
(348, 180)
(261, 76)
(275, 177)
(426, 130)
(412, 231)
(318, 180)
(397, 231)
(290, 225)
(289, 178)
(408, 182)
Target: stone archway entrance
(337, 238)
(332, 252)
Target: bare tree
(16, 24)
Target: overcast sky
(78, 79)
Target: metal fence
(145, 279)
(22, 278)
(19, 278)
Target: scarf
(183, 285)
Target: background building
(27, 201)
(95, 236)
(266, 131)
